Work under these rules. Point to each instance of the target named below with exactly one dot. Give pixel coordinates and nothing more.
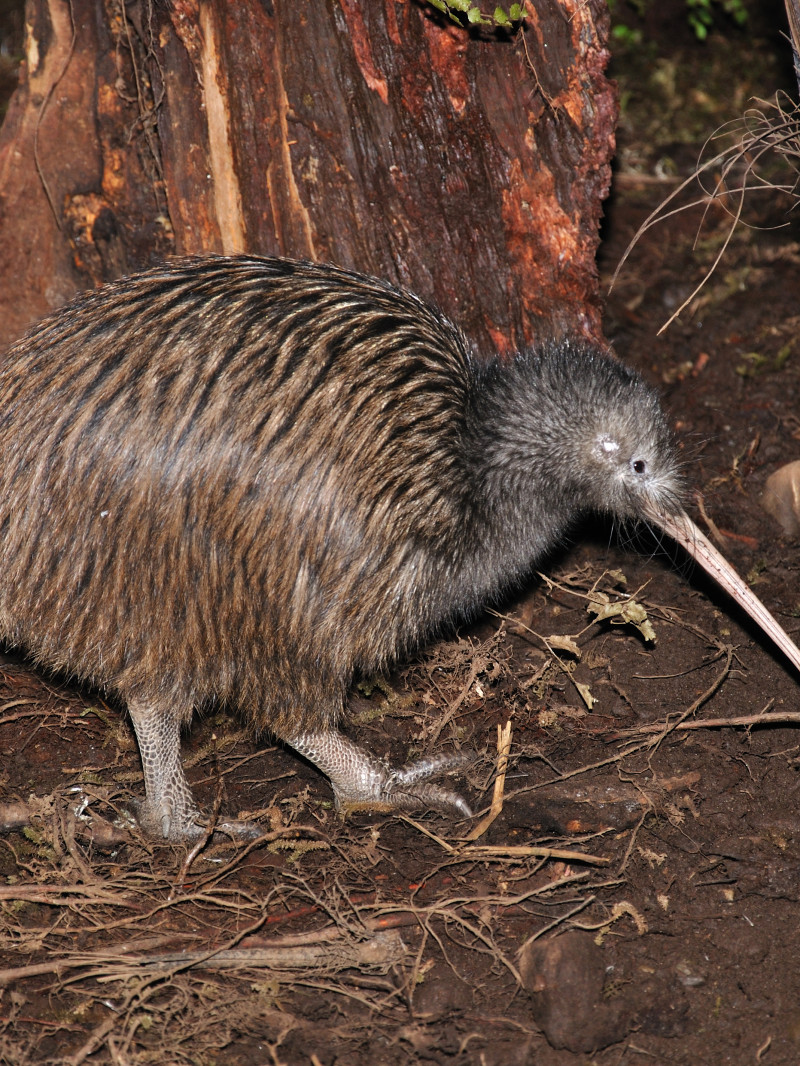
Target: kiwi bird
(243, 480)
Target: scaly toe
(161, 823)
(360, 780)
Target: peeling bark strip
(227, 198)
(370, 133)
(35, 267)
(79, 190)
(292, 225)
(362, 49)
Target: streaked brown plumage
(243, 479)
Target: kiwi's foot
(163, 822)
(361, 780)
(169, 812)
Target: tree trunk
(369, 133)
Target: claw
(162, 824)
(361, 780)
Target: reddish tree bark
(370, 133)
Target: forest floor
(636, 897)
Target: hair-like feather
(243, 479)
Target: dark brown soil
(680, 947)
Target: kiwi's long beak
(682, 529)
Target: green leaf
(500, 17)
(516, 12)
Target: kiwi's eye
(639, 466)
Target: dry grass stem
(503, 752)
(767, 132)
(514, 851)
(747, 721)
